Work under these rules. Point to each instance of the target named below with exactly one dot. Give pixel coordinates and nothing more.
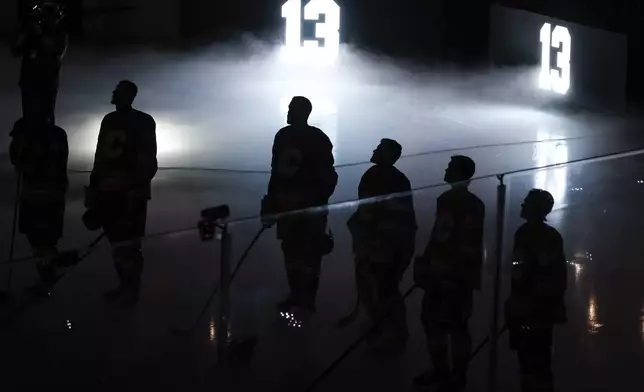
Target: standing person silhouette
(536, 303)
(39, 153)
(384, 242)
(302, 176)
(449, 271)
(41, 44)
(120, 187)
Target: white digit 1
(292, 12)
(330, 29)
(544, 75)
(552, 79)
(561, 79)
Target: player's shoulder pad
(109, 115)
(553, 232)
(143, 114)
(59, 130)
(282, 131)
(479, 202)
(321, 133)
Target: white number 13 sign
(329, 30)
(552, 79)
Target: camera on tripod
(211, 219)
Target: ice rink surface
(217, 110)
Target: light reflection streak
(547, 153)
(291, 320)
(593, 322)
(171, 135)
(642, 323)
(578, 263)
(211, 329)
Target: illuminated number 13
(552, 79)
(329, 30)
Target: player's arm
(326, 175)
(59, 45)
(19, 46)
(398, 211)
(64, 158)
(15, 147)
(422, 270)
(147, 164)
(96, 168)
(477, 245)
(430, 244)
(560, 268)
(552, 280)
(274, 162)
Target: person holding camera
(42, 43)
(302, 176)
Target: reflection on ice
(547, 153)
(211, 329)
(593, 322)
(291, 320)
(579, 269)
(642, 323)
(578, 263)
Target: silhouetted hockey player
(536, 301)
(39, 153)
(119, 188)
(384, 237)
(302, 176)
(42, 44)
(449, 271)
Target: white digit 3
(329, 30)
(561, 80)
(552, 79)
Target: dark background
(598, 57)
(444, 29)
(401, 27)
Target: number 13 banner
(576, 64)
(327, 32)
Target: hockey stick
(351, 317)
(363, 337)
(71, 258)
(16, 205)
(215, 290)
(353, 346)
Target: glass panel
(597, 207)
(593, 204)
(293, 351)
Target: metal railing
(225, 239)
